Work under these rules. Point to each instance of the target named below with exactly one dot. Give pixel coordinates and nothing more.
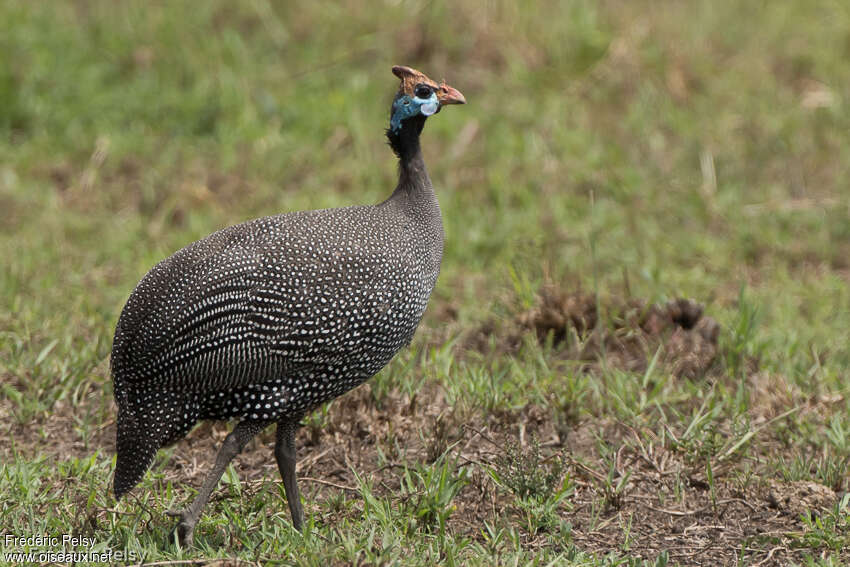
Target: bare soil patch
(626, 332)
(666, 503)
(629, 495)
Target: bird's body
(267, 319)
(272, 317)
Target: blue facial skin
(406, 106)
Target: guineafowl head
(419, 96)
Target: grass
(613, 156)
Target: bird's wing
(186, 322)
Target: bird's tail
(136, 448)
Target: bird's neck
(414, 186)
(405, 140)
(414, 196)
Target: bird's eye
(423, 91)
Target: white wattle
(428, 108)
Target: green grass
(627, 150)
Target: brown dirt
(666, 502)
(627, 333)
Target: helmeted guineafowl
(265, 320)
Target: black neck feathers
(413, 181)
(405, 142)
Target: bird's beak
(449, 95)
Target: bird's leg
(284, 452)
(233, 444)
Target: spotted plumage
(265, 320)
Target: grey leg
(284, 452)
(233, 444)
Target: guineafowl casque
(265, 320)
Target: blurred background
(646, 148)
(631, 152)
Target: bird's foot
(185, 528)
